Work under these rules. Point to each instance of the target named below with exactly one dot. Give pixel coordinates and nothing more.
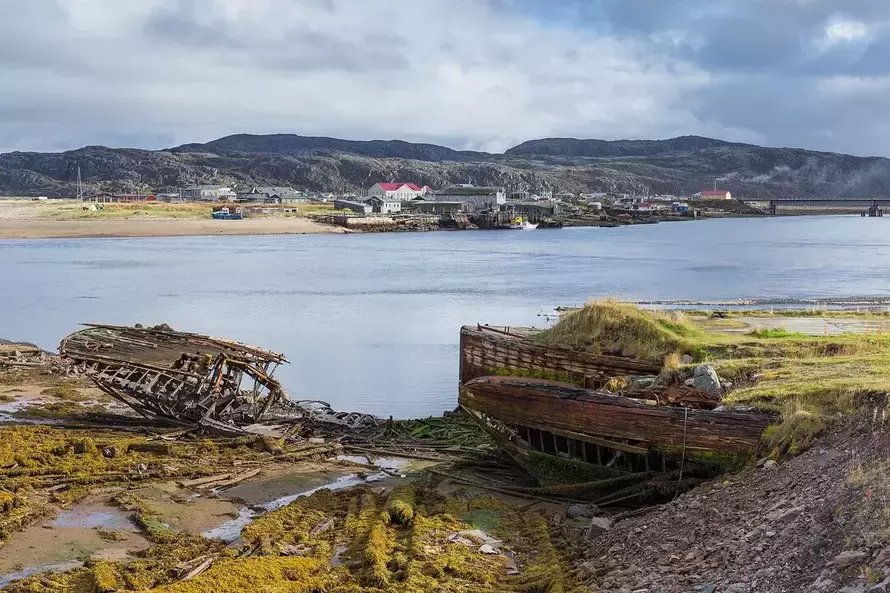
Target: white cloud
(457, 70)
(841, 30)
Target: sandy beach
(179, 227)
(24, 220)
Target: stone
(790, 514)
(708, 589)
(689, 382)
(574, 511)
(770, 464)
(848, 558)
(883, 558)
(761, 462)
(882, 587)
(705, 378)
(598, 525)
(736, 588)
(641, 382)
(726, 385)
(488, 549)
(686, 359)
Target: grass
(615, 328)
(811, 381)
(71, 210)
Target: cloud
(479, 74)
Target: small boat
(520, 224)
(226, 214)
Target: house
(107, 198)
(208, 193)
(272, 195)
(481, 197)
(422, 206)
(384, 205)
(538, 209)
(404, 192)
(714, 195)
(357, 207)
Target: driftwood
(553, 406)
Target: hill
(680, 166)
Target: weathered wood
(486, 351)
(563, 407)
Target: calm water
(370, 322)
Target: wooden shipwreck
(539, 399)
(184, 378)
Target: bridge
(873, 206)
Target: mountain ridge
(679, 166)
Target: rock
(726, 385)
(705, 378)
(848, 558)
(761, 462)
(598, 525)
(488, 549)
(883, 557)
(736, 588)
(790, 513)
(686, 359)
(574, 511)
(689, 382)
(770, 464)
(882, 587)
(636, 383)
(708, 589)
(854, 589)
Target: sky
(469, 74)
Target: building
(272, 195)
(481, 197)
(384, 205)
(404, 192)
(714, 195)
(357, 207)
(422, 206)
(208, 193)
(106, 198)
(539, 209)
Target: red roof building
(395, 191)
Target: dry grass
(616, 328)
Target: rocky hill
(679, 166)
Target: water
(370, 322)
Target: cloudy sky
(480, 74)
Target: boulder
(848, 558)
(770, 464)
(574, 511)
(598, 525)
(705, 378)
(686, 359)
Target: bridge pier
(874, 211)
(772, 208)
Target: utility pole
(79, 190)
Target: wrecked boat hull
(532, 407)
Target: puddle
(110, 519)
(23, 574)
(390, 463)
(61, 543)
(231, 530)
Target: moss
(6, 399)
(400, 505)
(65, 391)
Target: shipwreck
(545, 400)
(184, 378)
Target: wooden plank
(564, 407)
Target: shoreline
(159, 227)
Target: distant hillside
(679, 166)
(293, 144)
(572, 147)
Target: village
(410, 206)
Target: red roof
(396, 186)
(710, 192)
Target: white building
(481, 197)
(404, 192)
(357, 207)
(384, 205)
(208, 193)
